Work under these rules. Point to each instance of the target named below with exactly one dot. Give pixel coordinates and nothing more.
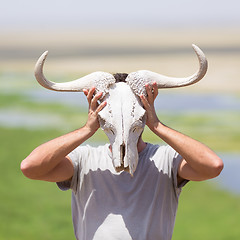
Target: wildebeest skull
(123, 119)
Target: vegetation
(205, 212)
(29, 209)
(207, 127)
(38, 210)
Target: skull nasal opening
(122, 151)
(120, 77)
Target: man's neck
(141, 145)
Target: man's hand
(148, 103)
(49, 161)
(94, 108)
(199, 162)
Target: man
(114, 205)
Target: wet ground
(170, 103)
(190, 102)
(229, 178)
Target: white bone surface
(123, 120)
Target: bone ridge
(103, 82)
(138, 82)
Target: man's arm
(199, 162)
(49, 161)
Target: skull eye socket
(102, 121)
(137, 129)
(109, 128)
(138, 125)
(141, 119)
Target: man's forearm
(48, 155)
(200, 162)
(202, 159)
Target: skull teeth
(122, 168)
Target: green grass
(38, 210)
(14, 100)
(29, 209)
(218, 129)
(205, 212)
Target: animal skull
(123, 118)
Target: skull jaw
(125, 158)
(124, 146)
(122, 168)
(122, 156)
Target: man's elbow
(26, 168)
(217, 167)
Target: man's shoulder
(92, 147)
(156, 148)
(159, 153)
(86, 151)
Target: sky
(29, 14)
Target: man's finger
(144, 101)
(85, 91)
(149, 90)
(155, 90)
(94, 103)
(101, 106)
(90, 95)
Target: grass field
(66, 118)
(38, 210)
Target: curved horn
(101, 80)
(162, 81)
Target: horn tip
(195, 46)
(45, 53)
(43, 56)
(198, 51)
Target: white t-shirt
(110, 205)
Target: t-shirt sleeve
(75, 156)
(176, 159)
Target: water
(66, 98)
(229, 178)
(175, 102)
(196, 102)
(17, 118)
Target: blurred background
(123, 36)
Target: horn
(162, 81)
(101, 80)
